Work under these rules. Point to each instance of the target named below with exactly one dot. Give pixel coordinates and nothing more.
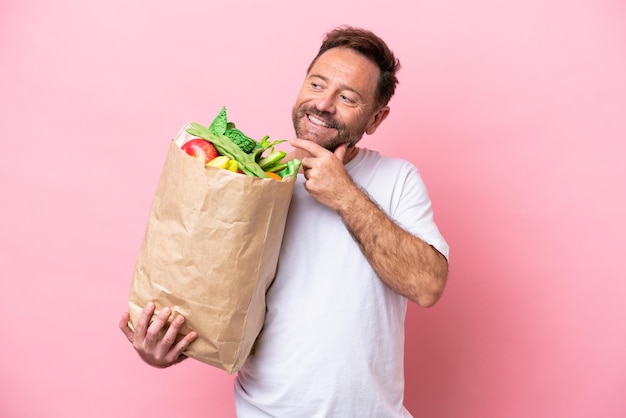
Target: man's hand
(326, 177)
(158, 352)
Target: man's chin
(321, 140)
(333, 145)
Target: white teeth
(318, 121)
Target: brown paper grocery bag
(210, 253)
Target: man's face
(336, 103)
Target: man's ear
(377, 119)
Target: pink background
(515, 113)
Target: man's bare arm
(408, 265)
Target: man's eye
(346, 99)
(315, 86)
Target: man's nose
(326, 102)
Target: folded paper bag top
(210, 252)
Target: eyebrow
(343, 86)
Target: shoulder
(372, 157)
(391, 181)
(392, 169)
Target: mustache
(322, 115)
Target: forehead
(348, 68)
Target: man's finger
(172, 332)
(154, 329)
(309, 146)
(340, 151)
(125, 328)
(185, 342)
(144, 320)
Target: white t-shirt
(333, 340)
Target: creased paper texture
(210, 253)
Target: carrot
(273, 175)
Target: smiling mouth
(319, 122)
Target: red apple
(200, 149)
